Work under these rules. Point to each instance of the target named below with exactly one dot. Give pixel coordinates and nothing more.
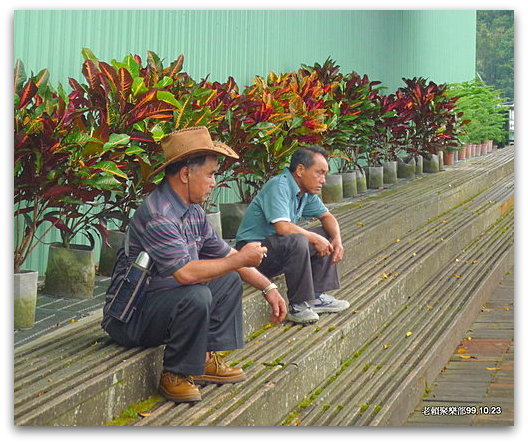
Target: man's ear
(184, 174)
(299, 170)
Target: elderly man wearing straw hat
(193, 301)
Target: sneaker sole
(206, 379)
(182, 399)
(302, 321)
(328, 310)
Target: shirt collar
(291, 181)
(179, 206)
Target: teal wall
(386, 45)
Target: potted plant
(432, 119)
(36, 170)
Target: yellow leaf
(386, 346)
(457, 276)
(397, 240)
(467, 357)
(474, 262)
(461, 350)
(145, 415)
(359, 223)
(429, 307)
(445, 222)
(414, 254)
(409, 333)
(384, 276)
(493, 368)
(506, 308)
(257, 342)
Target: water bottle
(131, 292)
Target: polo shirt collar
(179, 206)
(291, 181)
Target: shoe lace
(218, 360)
(175, 378)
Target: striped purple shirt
(173, 234)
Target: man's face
(202, 180)
(311, 180)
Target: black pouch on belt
(130, 294)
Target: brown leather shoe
(178, 388)
(218, 372)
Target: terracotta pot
(462, 153)
(449, 158)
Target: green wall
(386, 45)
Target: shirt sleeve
(275, 203)
(314, 207)
(213, 246)
(165, 244)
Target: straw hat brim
(217, 148)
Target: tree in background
(495, 56)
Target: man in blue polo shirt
(308, 258)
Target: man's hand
(338, 251)
(278, 306)
(322, 245)
(253, 253)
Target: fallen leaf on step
(493, 368)
(506, 308)
(386, 346)
(474, 262)
(461, 350)
(444, 222)
(457, 276)
(384, 276)
(257, 342)
(359, 224)
(414, 254)
(409, 333)
(468, 357)
(145, 415)
(397, 240)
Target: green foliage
(481, 106)
(495, 50)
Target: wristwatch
(268, 289)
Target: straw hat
(190, 142)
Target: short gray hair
(305, 156)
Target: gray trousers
(189, 320)
(305, 272)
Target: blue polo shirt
(279, 200)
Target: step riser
(288, 386)
(411, 391)
(429, 326)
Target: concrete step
(76, 375)
(384, 381)
(287, 362)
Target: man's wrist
(270, 287)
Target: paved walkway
(479, 376)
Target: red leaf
(27, 93)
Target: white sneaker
(326, 303)
(302, 314)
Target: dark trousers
(190, 320)
(306, 273)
